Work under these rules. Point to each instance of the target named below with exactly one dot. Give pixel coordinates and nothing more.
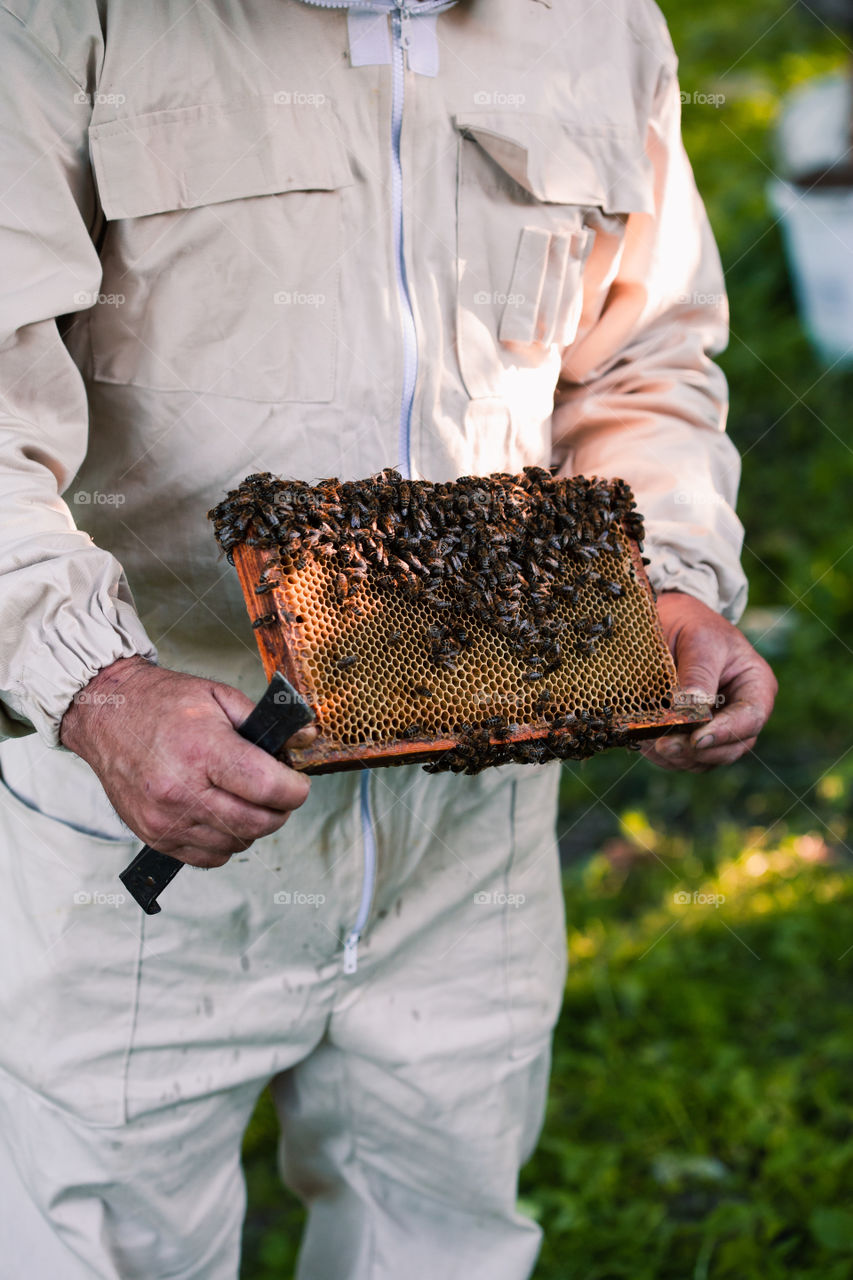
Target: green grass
(700, 1120)
(701, 1117)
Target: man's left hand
(717, 664)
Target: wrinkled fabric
(198, 284)
(410, 1092)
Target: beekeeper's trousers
(134, 1048)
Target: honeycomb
(381, 697)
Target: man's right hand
(165, 748)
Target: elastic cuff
(55, 673)
(667, 573)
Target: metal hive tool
(524, 630)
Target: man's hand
(166, 750)
(712, 657)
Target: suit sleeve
(640, 396)
(65, 607)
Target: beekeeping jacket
(201, 279)
(269, 235)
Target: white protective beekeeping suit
(267, 235)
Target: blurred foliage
(701, 1116)
(790, 415)
(275, 1217)
(700, 1121)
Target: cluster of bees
(569, 737)
(502, 549)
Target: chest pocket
(531, 193)
(221, 250)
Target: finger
(750, 697)
(303, 737)
(663, 759)
(245, 771)
(726, 753)
(214, 818)
(205, 844)
(668, 747)
(688, 764)
(237, 707)
(700, 659)
(198, 844)
(737, 722)
(681, 755)
(239, 820)
(235, 704)
(675, 752)
(194, 856)
(659, 762)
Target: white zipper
(368, 882)
(400, 36)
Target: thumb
(699, 663)
(237, 707)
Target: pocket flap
(192, 156)
(566, 163)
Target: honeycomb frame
(351, 668)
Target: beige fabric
(220, 182)
(410, 1092)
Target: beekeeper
(275, 235)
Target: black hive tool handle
(280, 713)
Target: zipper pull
(405, 28)
(351, 952)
